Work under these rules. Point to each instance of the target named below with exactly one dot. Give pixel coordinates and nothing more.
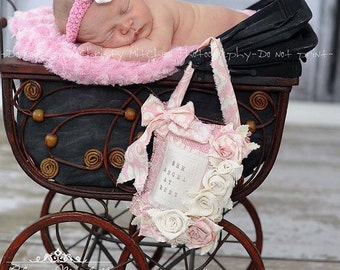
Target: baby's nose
(125, 26)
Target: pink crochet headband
(76, 16)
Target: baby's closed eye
(125, 5)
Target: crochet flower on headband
(76, 16)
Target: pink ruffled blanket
(38, 41)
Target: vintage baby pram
(84, 223)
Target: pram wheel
(234, 247)
(231, 238)
(114, 211)
(70, 255)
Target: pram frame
(13, 70)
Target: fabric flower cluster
(183, 191)
(196, 226)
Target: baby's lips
(138, 31)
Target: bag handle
(222, 79)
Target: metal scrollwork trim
(259, 101)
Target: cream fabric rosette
(205, 204)
(170, 223)
(222, 179)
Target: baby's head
(61, 9)
(69, 14)
(106, 23)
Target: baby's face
(116, 24)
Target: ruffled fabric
(38, 41)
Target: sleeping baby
(138, 30)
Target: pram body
(94, 133)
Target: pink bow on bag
(163, 117)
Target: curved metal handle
(3, 24)
(12, 4)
